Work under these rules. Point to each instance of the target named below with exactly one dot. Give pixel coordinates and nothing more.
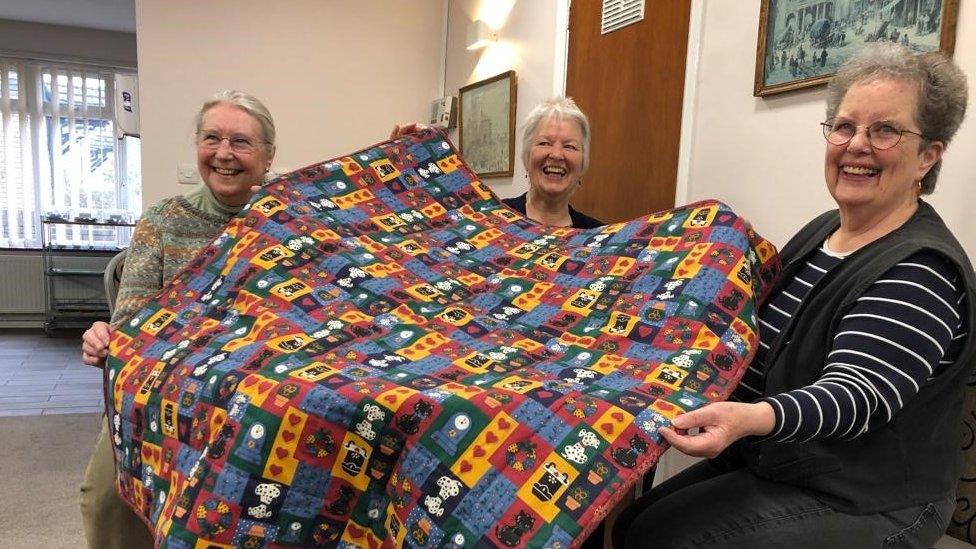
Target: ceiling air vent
(620, 13)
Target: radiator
(21, 284)
(22, 281)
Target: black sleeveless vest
(913, 459)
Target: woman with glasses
(844, 431)
(235, 137)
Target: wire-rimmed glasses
(239, 143)
(881, 135)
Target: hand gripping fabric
(376, 352)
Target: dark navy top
(579, 220)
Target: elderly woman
(235, 137)
(847, 431)
(555, 153)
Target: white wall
(526, 44)
(336, 74)
(764, 157)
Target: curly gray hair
(559, 108)
(252, 105)
(942, 90)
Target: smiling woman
(845, 429)
(235, 146)
(555, 153)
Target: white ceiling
(116, 15)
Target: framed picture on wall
(803, 42)
(487, 125)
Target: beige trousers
(109, 522)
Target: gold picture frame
(486, 127)
(801, 42)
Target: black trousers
(706, 506)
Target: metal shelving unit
(74, 310)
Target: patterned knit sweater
(167, 237)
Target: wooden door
(630, 83)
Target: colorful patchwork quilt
(376, 353)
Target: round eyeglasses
(242, 144)
(881, 135)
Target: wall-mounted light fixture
(480, 35)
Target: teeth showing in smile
(554, 170)
(858, 170)
(226, 171)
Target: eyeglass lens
(881, 135)
(237, 143)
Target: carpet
(43, 460)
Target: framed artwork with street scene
(487, 125)
(803, 42)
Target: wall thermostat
(443, 112)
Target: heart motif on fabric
(491, 437)
(294, 419)
(287, 436)
(478, 452)
(355, 531)
(281, 453)
(466, 467)
(275, 470)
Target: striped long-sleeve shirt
(898, 335)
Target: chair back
(113, 276)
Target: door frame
(690, 99)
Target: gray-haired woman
(555, 153)
(846, 433)
(235, 138)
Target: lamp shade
(479, 35)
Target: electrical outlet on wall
(187, 174)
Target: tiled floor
(41, 375)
